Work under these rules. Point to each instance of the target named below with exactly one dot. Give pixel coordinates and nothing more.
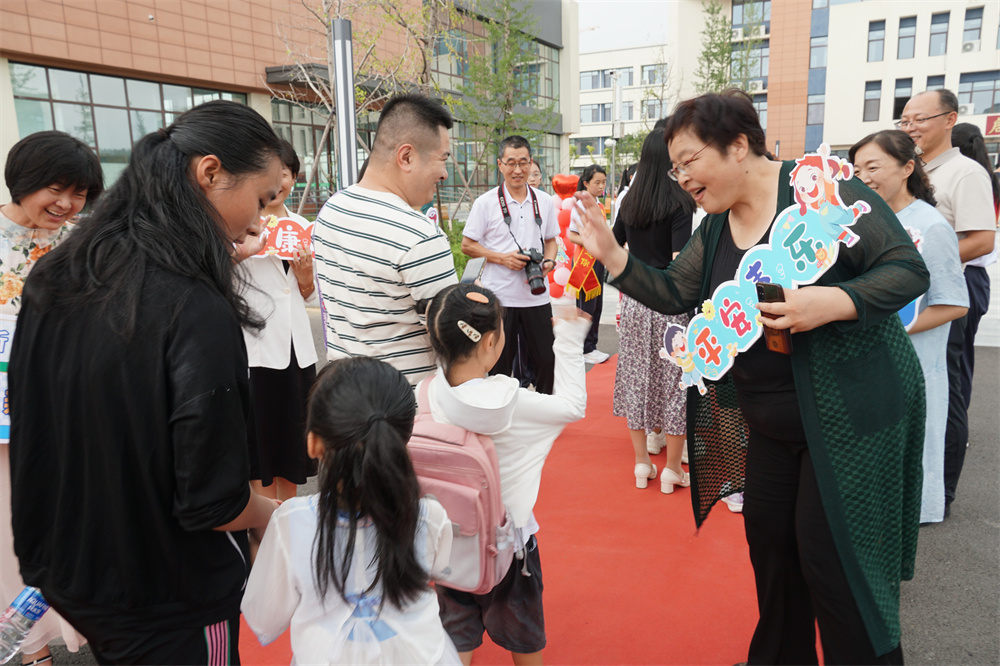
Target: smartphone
(778, 341)
(473, 269)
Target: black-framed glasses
(675, 173)
(903, 124)
(516, 164)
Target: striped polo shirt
(375, 258)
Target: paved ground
(950, 611)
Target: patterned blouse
(20, 248)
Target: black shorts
(511, 613)
(216, 644)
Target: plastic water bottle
(18, 619)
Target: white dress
(20, 248)
(938, 246)
(281, 594)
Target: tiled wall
(222, 42)
(788, 80)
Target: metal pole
(343, 82)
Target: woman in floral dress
(50, 176)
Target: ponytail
(362, 410)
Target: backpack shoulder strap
(423, 396)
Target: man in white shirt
(375, 255)
(504, 225)
(965, 198)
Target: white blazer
(275, 296)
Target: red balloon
(564, 218)
(556, 290)
(564, 185)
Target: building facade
(109, 71)
(828, 71)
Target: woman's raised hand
(598, 239)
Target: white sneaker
(655, 441)
(596, 356)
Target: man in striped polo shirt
(375, 255)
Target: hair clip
(472, 333)
(478, 297)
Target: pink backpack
(459, 468)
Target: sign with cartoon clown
(804, 243)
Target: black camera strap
(507, 218)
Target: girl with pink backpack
(465, 322)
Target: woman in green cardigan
(831, 435)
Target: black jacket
(124, 455)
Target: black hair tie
(164, 134)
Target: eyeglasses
(516, 164)
(675, 173)
(903, 124)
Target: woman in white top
(887, 162)
(282, 357)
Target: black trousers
(977, 280)
(594, 307)
(536, 322)
(800, 580)
(956, 434)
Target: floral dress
(20, 250)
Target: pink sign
(283, 236)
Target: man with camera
(515, 228)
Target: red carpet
(627, 579)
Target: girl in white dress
(348, 569)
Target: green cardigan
(861, 399)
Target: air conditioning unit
(737, 34)
(756, 86)
(970, 46)
(759, 31)
(966, 109)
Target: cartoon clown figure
(814, 180)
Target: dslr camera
(533, 269)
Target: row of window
(601, 113)
(108, 113)
(597, 79)
(978, 93)
(906, 45)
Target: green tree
(727, 59)
(716, 49)
(501, 85)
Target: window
(755, 61)
(654, 109)
(979, 92)
(760, 103)
(627, 111)
(873, 94)
(598, 79)
(821, 4)
(973, 25)
(876, 41)
(907, 37)
(302, 126)
(817, 52)
(939, 34)
(108, 113)
(588, 146)
(904, 91)
(935, 82)
(590, 80)
(815, 109)
(751, 11)
(654, 75)
(595, 113)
